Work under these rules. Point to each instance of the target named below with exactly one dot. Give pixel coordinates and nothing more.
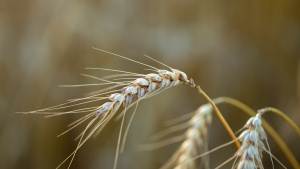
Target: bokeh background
(248, 50)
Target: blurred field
(246, 50)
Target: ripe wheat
(142, 87)
(125, 94)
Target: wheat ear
(268, 128)
(141, 87)
(253, 143)
(252, 138)
(194, 142)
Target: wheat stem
(283, 116)
(219, 114)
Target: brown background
(245, 50)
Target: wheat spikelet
(194, 140)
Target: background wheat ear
(194, 140)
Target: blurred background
(245, 50)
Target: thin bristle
(115, 70)
(126, 58)
(158, 61)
